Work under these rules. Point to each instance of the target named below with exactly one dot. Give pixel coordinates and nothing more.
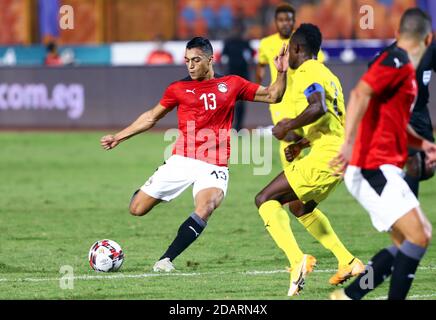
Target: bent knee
(206, 208)
(297, 208)
(260, 199)
(138, 210)
(422, 239)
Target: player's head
(51, 47)
(304, 44)
(416, 24)
(285, 20)
(198, 57)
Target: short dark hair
(284, 7)
(202, 43)
(308, 36)
(51, 46)
(416, 23)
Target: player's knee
(297, 208)
(137, 209)
(205, 208)
(424, 240)
(260, 199)
(421, 239)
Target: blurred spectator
(187, 20)
(48, 19)
(430, 7)
(225, 18)
(52, 58)
(236, 57)
(160, 56)
(210, 17)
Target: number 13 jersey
(205, 113)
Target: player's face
(285, 24)
(198, 63)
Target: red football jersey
(382, 135)
(205, 114)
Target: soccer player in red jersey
(205, 105)
(375, 150)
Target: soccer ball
(105, 256)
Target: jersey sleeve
(247, 90)
(321, 56)
(384, 73)
(262, 57)
(169, 99)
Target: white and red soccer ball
(106, 256)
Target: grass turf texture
(60, 192)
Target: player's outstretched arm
(356, 109)
(274, 93)
(144, 122)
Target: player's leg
(269, 202)
(402, 258)
(318, 225)
(312, 186)
(206, 201)
(416, 230)
(141, 203)
(377, 270)
(381, 265)
(388, 200)
(210, 187)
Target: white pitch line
(175, 274)
(412, 297)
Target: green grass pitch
(60, 192)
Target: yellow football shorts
(310, 179)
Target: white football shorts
(382, 192)
(178, 173)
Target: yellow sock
(318, 225)
(277, 223)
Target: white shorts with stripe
(382, 192)
(178, 173)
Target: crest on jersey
(426, 77)
(222, 87)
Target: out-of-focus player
(418, 169)
(284, 18)
(375, 150)
(205, 104)
(317, 120)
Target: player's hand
(282, 60)
(291, 136)
(340, 162)
(292, 151)
(109, 142)
(279, 130)
(430, 153)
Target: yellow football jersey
(327, 133)
(269, 48)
